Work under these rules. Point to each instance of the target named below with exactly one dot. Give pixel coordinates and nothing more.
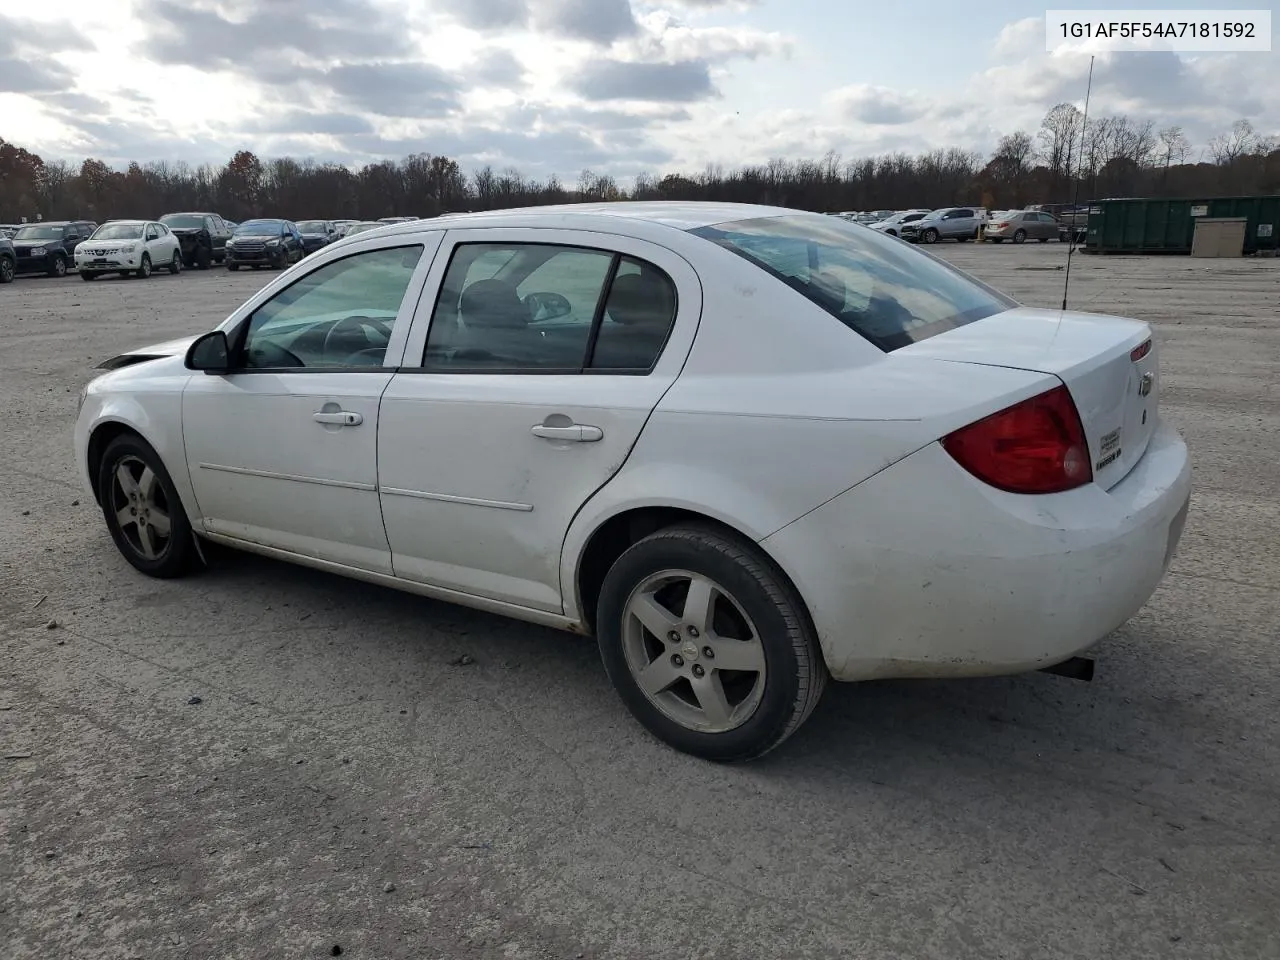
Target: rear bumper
(923, 571)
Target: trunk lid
(1109, 364)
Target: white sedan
(748, 449)
(131, 248)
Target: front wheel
(144, 269)
(58, 268)
(930, 236)
(143, 513)
(203, 258)
(708, 645)
(8, 270)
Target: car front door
(282, 450)
(961, 224)
(538, 356)
(151, 245)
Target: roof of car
(679, 215)
(126, 221)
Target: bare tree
(1058, 138)
(1227, 148)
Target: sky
(559, 86)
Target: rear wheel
(58, 267)
(1020, 236)
(707, 644)
(144, 268)
(175, 265)
(143, 513)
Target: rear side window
(888, 292)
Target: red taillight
(1001, 226)
(1036, 446)
(1137, 353)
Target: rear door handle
(343, 418)
(578, 433)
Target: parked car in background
(947, 223)
(7, 230)
(945, 492)
(316, 234)
(230, 224)
(203, 237)
(362, 226)
(49, 248)
(892, 225)
(8, 261)
(396, 219)
(264, 243)
(1021, 226)
(131, 248)
(343, 225)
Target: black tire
(203, 258)
(58, 266)
(929, 236)
(1020, 236)
(86, 276)
(179, 553)
(175, 264)
(233, 266)
(8, 270)
(144, 268)
(795, 674)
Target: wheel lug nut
(708, 653)
(677, 660)
(698, 671)
(693, 631)
(673, 637)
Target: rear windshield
(878, 286)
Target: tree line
(1064, 158)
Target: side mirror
(547, 306)
(210, 353)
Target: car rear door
(512, 410)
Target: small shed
(1219, 237)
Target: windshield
(879, 287)
(39, 232)
(118, 231)
(311, 226)
(259, 228)
(183, 221)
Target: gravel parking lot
(395, 777)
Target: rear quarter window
(880, 288)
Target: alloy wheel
(693, 651)
(141, 508)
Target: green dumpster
(1133, 225)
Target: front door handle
(577, 432)
(343, 418)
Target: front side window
(339, 315)
(517, 306)
(889, 292)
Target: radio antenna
(1075, 203)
